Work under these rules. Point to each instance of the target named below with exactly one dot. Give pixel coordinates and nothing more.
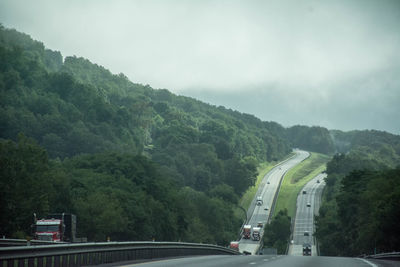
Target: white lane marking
(368, 262)
(252, 263)
(266, 259)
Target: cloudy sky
(329, 63)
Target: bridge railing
(385, 256)
(9, 242)
(100, 253)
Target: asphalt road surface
(308, 203)
(266, 260)
(267, 190)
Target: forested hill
(133, 162)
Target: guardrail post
(64, 262)
(84, 259)
(49, 261)
(31, 262)
(78, 260)
(57, 260)
(40, 262)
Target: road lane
(259, 261)
(267, 190)
(304, 221)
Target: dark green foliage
(277, 233)
(361, 198)
(121, 196)
(313, 138)
(382, 147)
(364, 218)
(24, 184)
(241, 173)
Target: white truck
(246, 231)
(256, 233)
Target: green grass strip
(296, 178)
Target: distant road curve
(267, 189)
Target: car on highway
(317, 181)
(259, 201)
(267, 182)
(306, 233)
(260, 224)
(308, 204)
(304, 192)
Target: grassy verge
(248, 196)
(296, 178)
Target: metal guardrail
(9, 242)
(385, 256)
(99, 253)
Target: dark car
(306, 250)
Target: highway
(266, 260)
(267, 190)
(308, 203)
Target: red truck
(234, 245)
(57, 227)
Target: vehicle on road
(306, 250)
(317, 181)
(234, 245)
(304, 192)
(57, 227)
(306, 233)
(256, 233)
(259, 201)
(246, 231)
(260, 224)
(267, 182)
(308, 204)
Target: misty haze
(197, 133)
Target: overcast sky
(329, 63)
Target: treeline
(361, 202)
(277, 233)
(117, 195)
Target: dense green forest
(361, 205)
(277, 233)
(133, 162)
